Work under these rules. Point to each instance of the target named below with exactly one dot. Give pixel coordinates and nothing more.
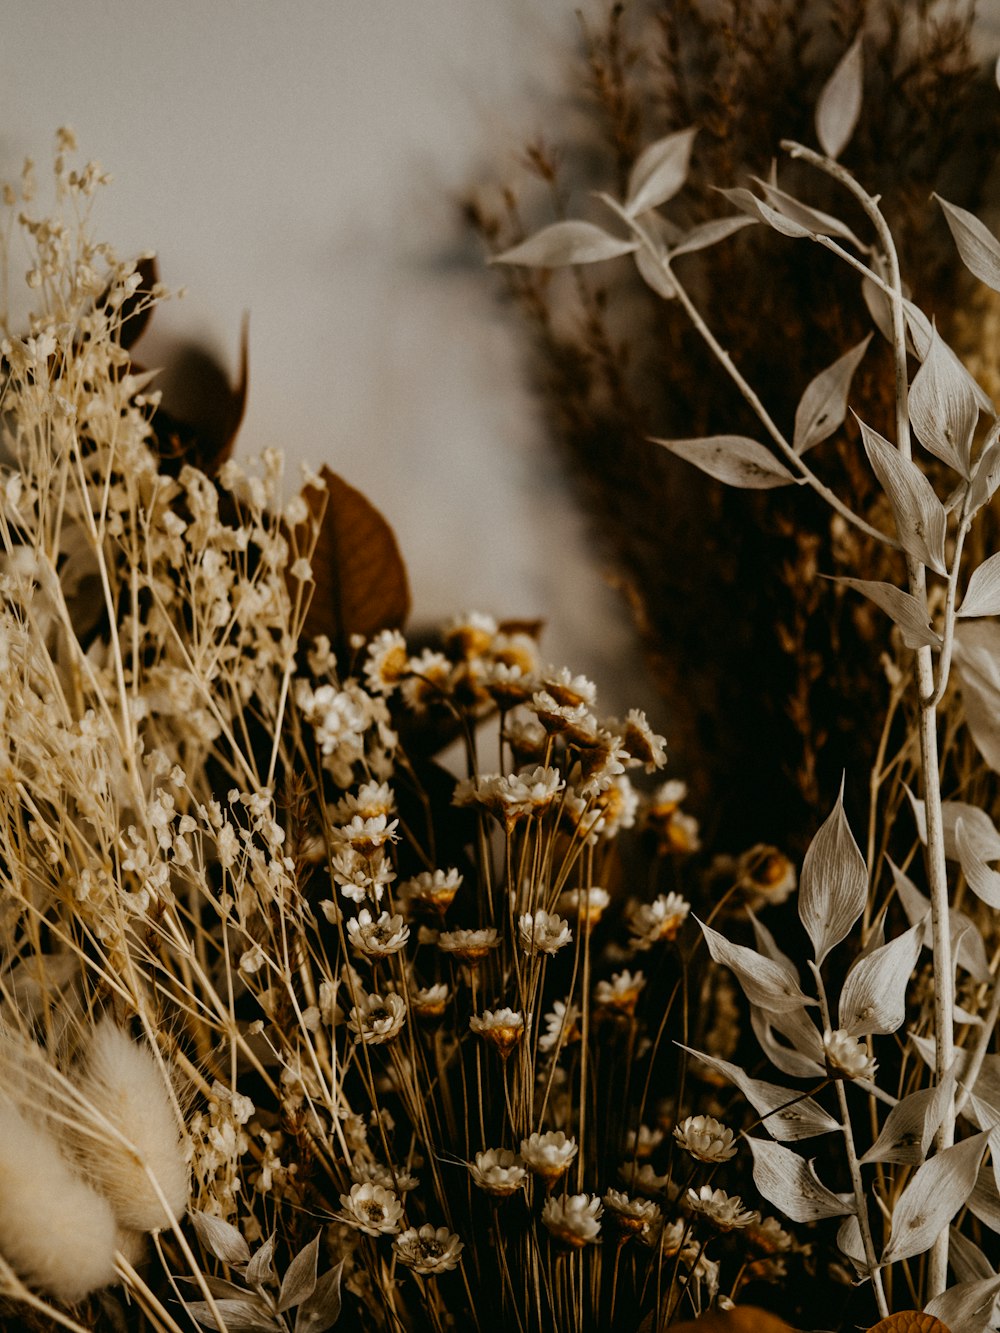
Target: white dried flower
(56, 1231)
(642, 743)
(641, 1143)
(561, 1026)
(372, 1209)
(649, 923)
(430, 1001)
(621, 993)
(630, 1215)
(498, 1171)
(377, 937)
(471, 946)
(432, 888)
(428, 1251)
(386, 662)
(846, 1056)
(573, 1220)
(543, 932)
(548, 1155)
(375, 1020)
(586, 903)
(138, 1139)
(724, 1211)
(502, 1028)
(705, 1138)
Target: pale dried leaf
(911, 615)
(804, 1057)
(911, 1125)
(322, 1309)
(709, 233)
(833, 887)
(785, 1113)
(980, 833)
(260, 1270)
(943, 407)
(984, 882)
(986, 477)
(791, 1185)
(766, 943)
(764, 982)
(733, 459)
(966, 939)
(968, 1306)
(300, 1276)
(976, 244)
(653, 273)
(747, 202)
(932, 1197)
(982, 593)
(565, 243)
(977, 666)
(240, 1316)
(659, 171)
(873, 999)
(839, 104)
(823, 406)
(967, 1260)
(816, 222)
(921, 521)
(221, 1238)
(850, 1244)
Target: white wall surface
(299, 158)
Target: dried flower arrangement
(302, 1026)
(708, 575)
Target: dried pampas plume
(56, 1231)
(134, 1139)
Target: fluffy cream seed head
(56, 1232)
(136, 1132)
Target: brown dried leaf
(909, 1321)
(360, 578)
(204, 431)
(134, 320)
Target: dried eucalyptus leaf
(902, 608)
(839, 104)
(709, 233)
(976, 244)
(921, 521)
(873, 999)
(659, 171)
(733, 459)
(321, 1310)
(785, 1113)
(943, 407)
(934, 1194)
(564, 243)
(977, 666)
(982, 593)
(300, 1276)
(967, 1306)
(764, 982)
(823, 406)
(833, 888)
(240, 1316)
(791, 1185)
(221, 1238)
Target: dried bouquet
(346, 980)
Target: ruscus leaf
(709, 233)
(839, 103)
(977, 246)
(911, 1125)
(823, 406)
(565, 243)
(902, 608)
(943, 407)
(982, 593)
(785, 1113)
(733, 459)
(921, 521)
(764, 982)
(873, 999)
(659, 171)
(221, 1238)
(300, 1277)
(967, 1305)
(321, 1310)
(977, 666)
(791, 1185)
(932, 1197)
(833, 888)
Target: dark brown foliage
(771, 674)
